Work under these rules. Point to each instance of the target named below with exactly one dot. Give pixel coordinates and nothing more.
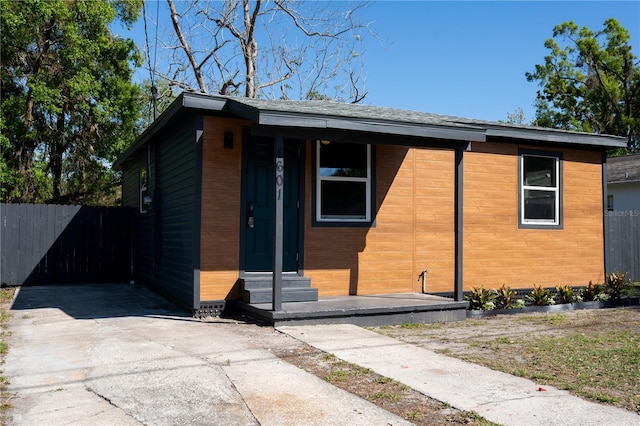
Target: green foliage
(506, 298)
(68, 104)
(593, 292)
(631, 289)
(164, 96)
(590, 82)
(481, 299)
(565, 294)
(615, 284)
(516, 117)
(540, 297)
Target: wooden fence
(623, 242)
(51, 244)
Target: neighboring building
(367, 199)
(623, 183)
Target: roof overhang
(184, 101)
(278, 118)
(557, 136)
(318, 117)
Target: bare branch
(185, 46)
(256, 47)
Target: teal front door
(259, 233)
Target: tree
(68, 103)
(153, 99)
(516, 117)
(276, 49)
(590, 83)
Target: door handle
(251, 222)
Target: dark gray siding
(142, 224)
(622, 244)
(175, 198)
(164, 237)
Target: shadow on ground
(92, 301)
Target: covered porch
(362, 310)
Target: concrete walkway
(120, 355)
(496, 396)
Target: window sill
(539, 226)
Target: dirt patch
(6, 296)
(381, 391)
(593, 354)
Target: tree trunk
(55, 153)
(250, 48)
(187, 50)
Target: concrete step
(266, 282)
(289, 294)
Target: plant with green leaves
(506, 299)
(481, 299)
(590, 82)
(68, 102)
(593, 292)
(565, 294)
(615, 284)
(540, 296)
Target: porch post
(459, 241)
(278, 223)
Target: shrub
(481, 298)
(506, 299)
(615, 283)
(593, 292)
(565, 294)
(540, 297)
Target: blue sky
(468, 58)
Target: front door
(260, 205)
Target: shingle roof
(384, 114)
(368, 112)
(623, 169)
(325, 115)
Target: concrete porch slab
(365, 310)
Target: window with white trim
(540, 189)
(343, 182)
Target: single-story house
(623, 183)
(322, 199)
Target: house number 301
(279, 177)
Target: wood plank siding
(497, 252)
(414, 222)
(220, 224)
(413, 229)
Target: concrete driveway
(121, 355)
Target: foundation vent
(209, 309)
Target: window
(343, 182)
(540, 189)
(143, 190)
(610, 202)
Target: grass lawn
(594, 354)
